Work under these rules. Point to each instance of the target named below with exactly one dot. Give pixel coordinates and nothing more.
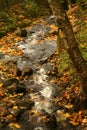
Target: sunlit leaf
(9, 117)
(69, 106)
(15, 107)
(84, 121)
(1, 93)
(1, 85)
(67, 115)
(74, 123)
(14, 125)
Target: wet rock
(16, 88)
(10, 81)
(11, 88)
(18, 72)
(26, 105)
(15, 112)
(12, 85)
(21, 32)
(27, 71)
(20, 88)
(25, 121)
(10, 61)
(31, 31)
(39, 28)
(35, 53)
(51, 122)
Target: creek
(43, 91)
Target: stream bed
(43, 91)
(39, 115)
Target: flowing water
(45, 93)
(42, 90)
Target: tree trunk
(72, 46)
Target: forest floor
(38, 87)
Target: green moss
(64, 61)
(84, 53)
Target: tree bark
(72, 46)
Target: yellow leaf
(74, 123)
(67, 115)
(15, 107)
(69, 106)
(1, 93)
(16, 125)
(84, 121)
(1, 85)
(10, 116)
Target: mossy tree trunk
(72, 46)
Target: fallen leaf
(1, 85)
(69, 106)
(84, 121)
(15, 107)
(74, 123)
(15, 125)
(1, 93)
(67, 115)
